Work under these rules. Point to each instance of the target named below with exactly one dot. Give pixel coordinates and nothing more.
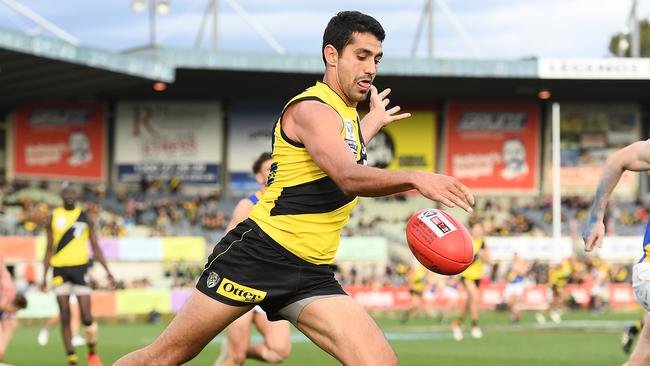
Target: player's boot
(541, 319)
(476, 332)
(93, 360)
(626, 342)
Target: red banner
(621, 294)
(382, 298)
(493, 147)
(60, 140)
(491, 294)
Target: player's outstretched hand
(593, 234)
(378, 104)
(445, 189)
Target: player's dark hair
(257, 165)
(343, 25)
(20, 301)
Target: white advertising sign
(161, 140)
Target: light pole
(161, 7)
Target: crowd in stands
(24, 207)
(153, 210)
(156, 210)
(511, 216)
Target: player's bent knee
(277, 355)
(283, 351)
(239, 357)
(87, 321)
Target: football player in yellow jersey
(470, 278)
(69, 229)
(634, 157)
(558, 277)
(416, 279)
(277, 335)
(280, 257)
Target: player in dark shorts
(280, 257)
(276, 345)
(69, 229)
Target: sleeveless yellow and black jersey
(416, 279)
(70, 233)
(559, 275)
(303, 209)
(475, 270)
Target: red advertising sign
(382, 298)
(60, 140)
(493, 147)
(621, 294)
(491, 294)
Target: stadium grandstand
(161, 141)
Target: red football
(439, 241)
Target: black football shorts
(247, 267)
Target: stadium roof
(37, 67)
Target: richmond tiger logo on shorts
(213, 279)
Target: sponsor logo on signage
(493, 121)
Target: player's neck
(331, 81)
(70, 207)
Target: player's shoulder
(306, 109)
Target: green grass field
(582, 339)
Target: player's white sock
(457, 332)
(43, 336)
(78, 340)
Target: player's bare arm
(379, 117)
(318, 127)
(48, 250)
(97, 250)
(485, 255)
(634, 157)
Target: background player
(558, 277)
(277, 335)
(599, 274)
(416, 279)
(69, 229)
(514, 290)
(10, 303)
(471, 278)
(634, 157)
(75, 322)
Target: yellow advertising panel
(41, 245)
(407, 144)
(188, 248)
(142, 301)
